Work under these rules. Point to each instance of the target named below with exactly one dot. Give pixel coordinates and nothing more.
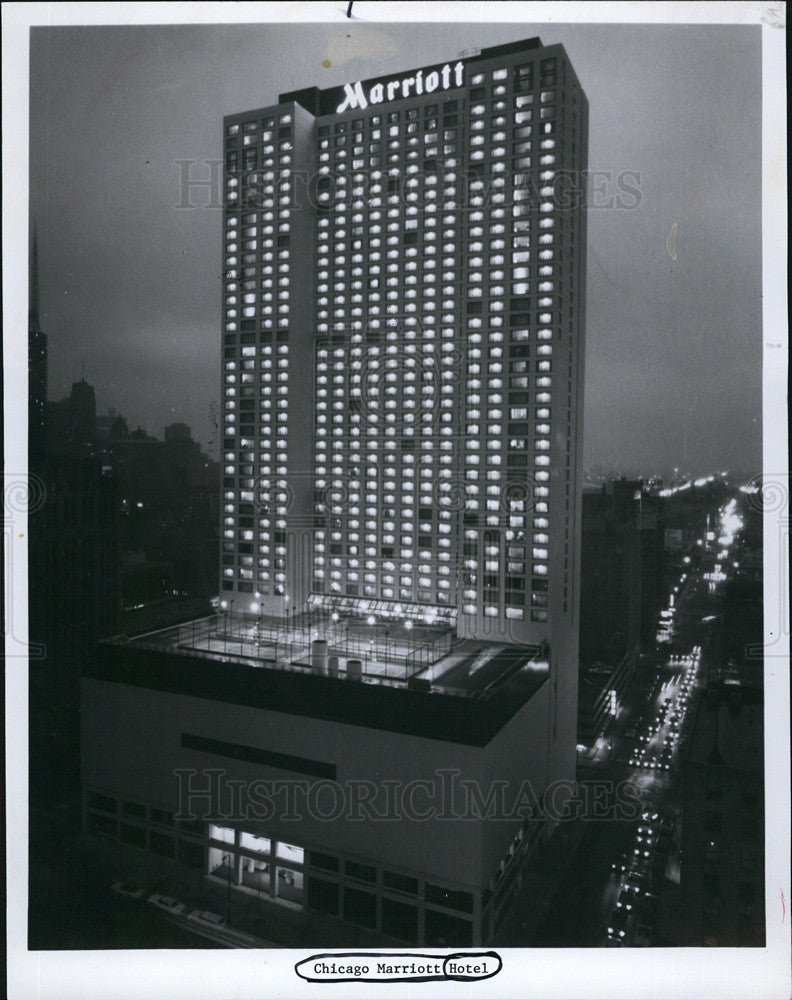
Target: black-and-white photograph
(406, 514)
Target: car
(629, 731)
(127, 890)
(618, 924)
(638, 872)
(206, 917)
(167, 903)
(625, 899)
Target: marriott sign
(355, 96)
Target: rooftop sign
(355, 96)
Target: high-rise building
(404, 296)
(402, 372)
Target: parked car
(127, 890)
(626, 899)
(618, 924)
(206, 916)
(167, 903)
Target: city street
(612, 892)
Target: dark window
(452, 898)
(443, 931)
(365, 873)
(191, 855)
(104, 802)
(160, 843)
(360, 907)
(257, 755)
(194, 826)
(133, 809)
(322, 895)
(326, 861)
(402, 883)
(400, 920)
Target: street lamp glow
(408, 624)
(224, 604)
(254, 607)
(370, 620)
(334, 616)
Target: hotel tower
(403, 271)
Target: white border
(635, 973)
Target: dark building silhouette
(720, 901)
(168, 510)
(37, 447)
(622, 586)
(651, 527)
(37, 370)
(83, 412)
(177, 432)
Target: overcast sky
(130, 283)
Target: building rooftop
(386, 677)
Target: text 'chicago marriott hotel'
(402, 378)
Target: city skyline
(157, 340)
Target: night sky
(130, 283)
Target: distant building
(610, 602)
(75, 587)
(142, 579)
(37, 447)
(722, 883)
(83, 411)
(178, 432)
(651, 527)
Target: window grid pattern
(512, 330)
(256, 290)
(388, 278)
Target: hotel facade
(402, 376)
